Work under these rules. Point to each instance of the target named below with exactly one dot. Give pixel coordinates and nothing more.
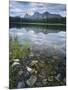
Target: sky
(20, 8)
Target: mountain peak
(37, 13)
(46, 13)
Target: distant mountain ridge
(44, 15)
(37, 18)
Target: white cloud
(21, 8)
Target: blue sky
(20, 8)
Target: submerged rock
(15, 63)
(33, 62)
(50, 78)
(31, 81)
(21, 84)
(29, 69)
(16, 60)
(44, 81)
(31, 54)
(38, 84)
(26, 75)
(20, 72)
(58, 77)
(55, 57)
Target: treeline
(19, 20)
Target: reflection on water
(46, 41)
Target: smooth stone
(53, 72)
(26, 75)
(58, 77)
(16, 60)
(41, 64)
(50, 78)
(21, 85)
(29, 69)
(31, 81)
(38, 84)
(56, 57)
(20, 72)
(33, 71)
(42, 76)
(31, 54)
(44, 81)
(34, 62)
(36, 72)
(15, 63)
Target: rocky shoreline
(33, 71)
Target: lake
(42, 40)
(43, 62)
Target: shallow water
(43, 40)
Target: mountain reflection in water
(44, 41)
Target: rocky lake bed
(34, 71)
